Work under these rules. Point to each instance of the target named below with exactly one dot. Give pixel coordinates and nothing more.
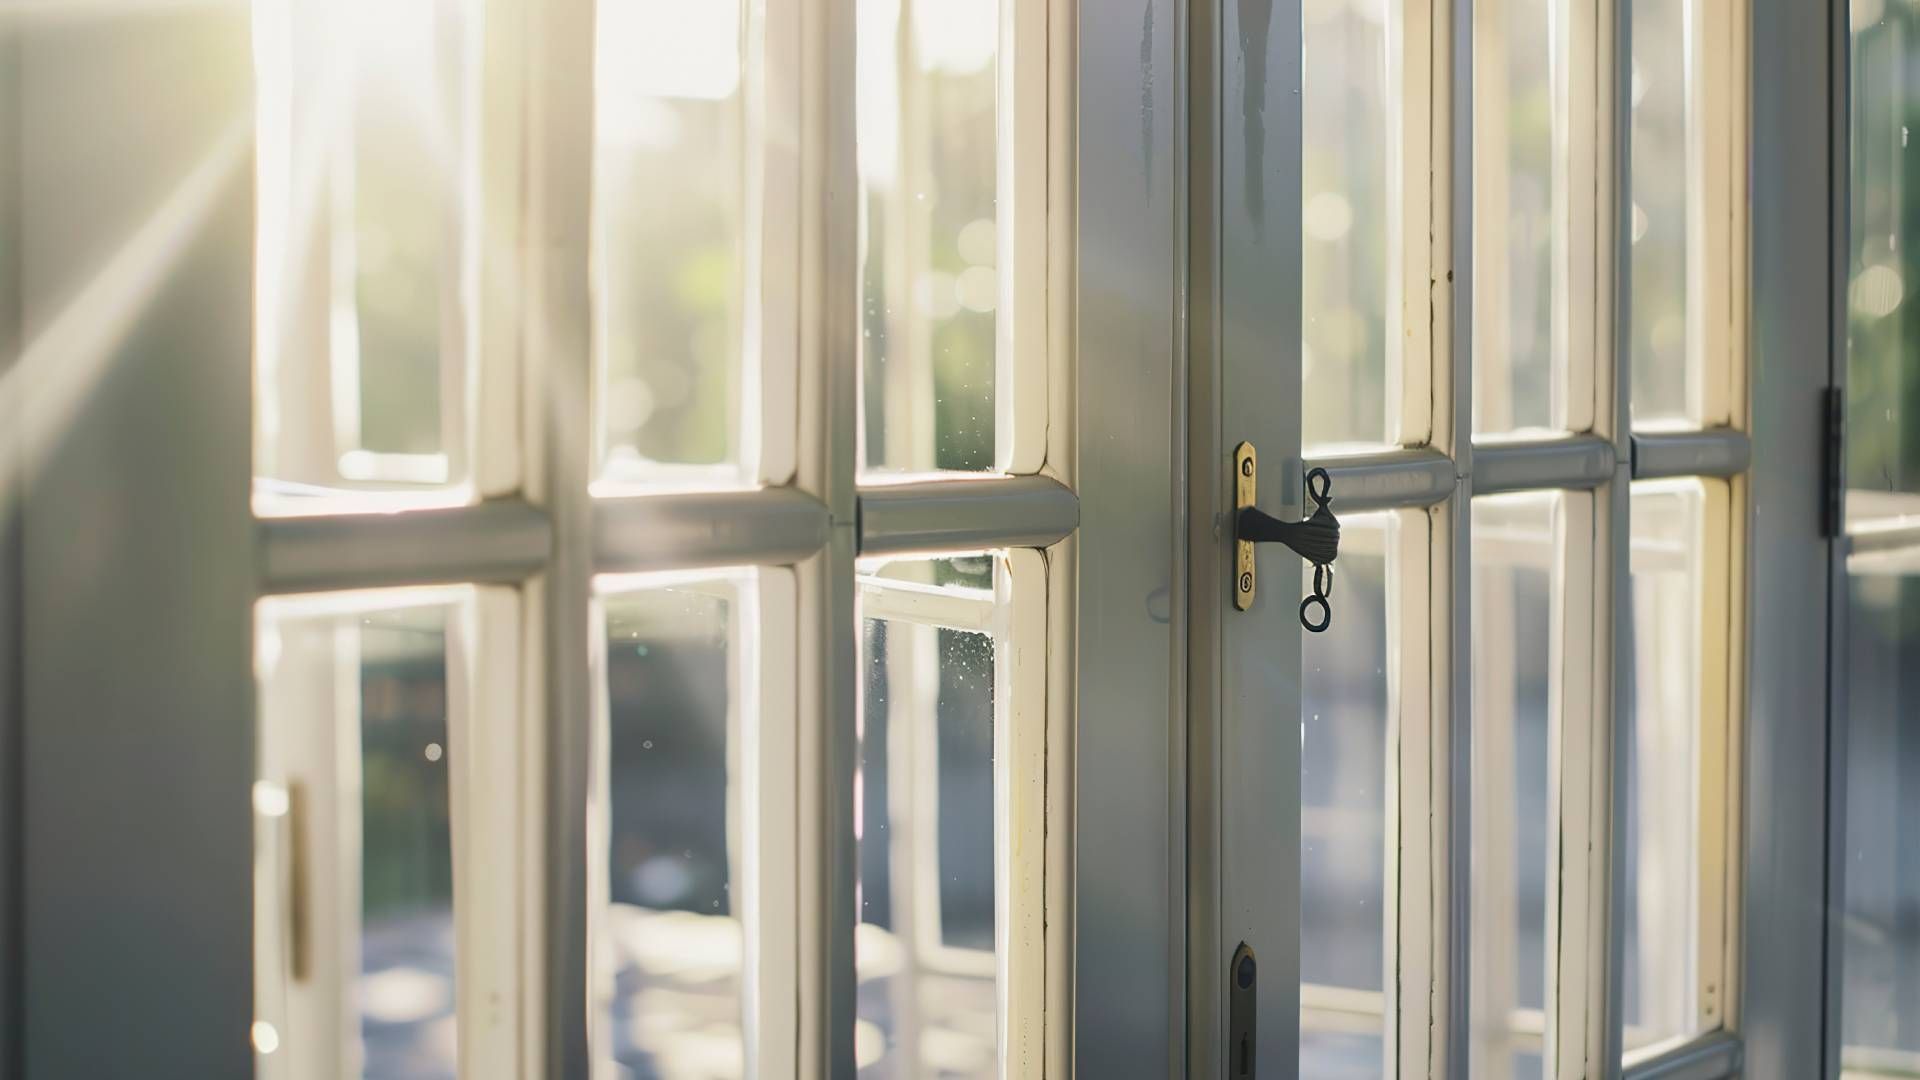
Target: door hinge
(1833, 509)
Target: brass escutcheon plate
(1246, 485)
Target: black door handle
(1317, 540)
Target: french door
(698, 539)
(1484, 824)
(607, 472)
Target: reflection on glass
(928, 238)
(1664, 361)
(367, 238)
(1517, 362)
(1880, 923)
(971, 574)
(669, 222)
(1513, 616)
(1663, 765)
(1345, 697)
(1347, 172)
(673, 938)
(924, 804)
(354, 866)
(1880, 991)
(1883, 383)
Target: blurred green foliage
(406, 829)
(1883, 334)
(669, 240)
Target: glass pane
(1663, 765)
(1883, 332)
(928, 238)
(669, 236)
(354, 866)
(1664, 361)
(1880, 994)
(1345, 698)
(1513, 631)
(673, 939)
(1518, 366)
(1880, 983)
(924, 805)
(966, 574)
(1348, 165)
(367, 245)
(1341, 1055)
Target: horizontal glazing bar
(1713, 1057)
(503, 541)
(965, 515)
(1385, 481)
(693, 530)
(1891, 560)
(1894, 530)
(1714, 452)
(1574, 461)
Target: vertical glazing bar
(828, 642)
(1576, 709)
(1020, 796)
(496, 391)
(1415, 101)
(12, 644)
(772, 316)
(1613, 606)
(557, 358)
(1418, 583)
(772, 871)
(1020, 379)
(1454, 38)
(1613, 609)
(1063, 598)
(489, 782)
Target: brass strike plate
(1246, 485)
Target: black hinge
(1833, 507)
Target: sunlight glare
(60, 367)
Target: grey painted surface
(1400, 478)
(1128, 958)
(1259, 649)
(504, 541)
(941, 515)
(11, 772)
(1714, 452)
(1789, 593)
(136, 546)
(1578, 461)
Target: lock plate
(1242, 1013)
(1246, 486)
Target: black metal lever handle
(1317, 540)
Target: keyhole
(1246, 1056)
